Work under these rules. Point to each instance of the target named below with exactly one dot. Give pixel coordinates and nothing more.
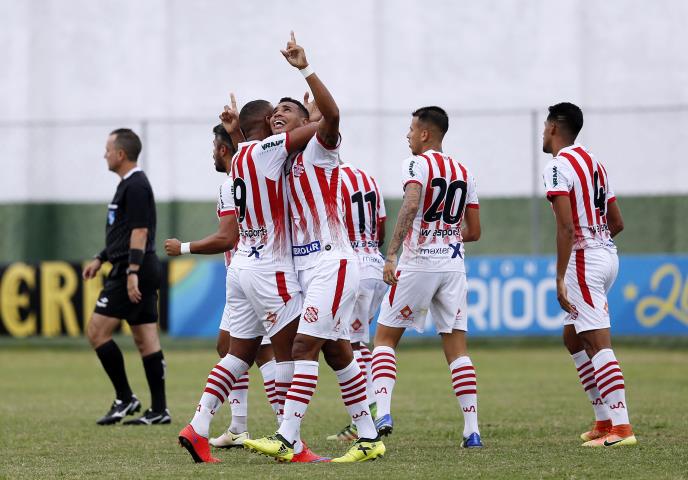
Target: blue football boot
(385, 425)
(472, 441)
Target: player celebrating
(364, 211)
(431, 275)
(263, 292)
(223, 241)
(328, 274)
(587, 217)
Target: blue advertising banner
(507, 296)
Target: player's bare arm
(470, 232)
(381, 232)
(230, 120)
(409, 209)
(222, 241)
(137, 241)
(328, 128)
(614, 219)
(564, 220)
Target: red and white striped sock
(610, 383)
(352, 383)
(220, 381)
(465, 385)
(238, 402)
(267, 370)
(384, 368)
(586, 373)
(367, 358)
(298, 397)
(284, 372)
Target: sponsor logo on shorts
(470, 409)
(311, 315)
(102, 302)
(303, 250)
(356, 325)
(458, 314)
(405, 313)
(337, 326)
(271, 318)
(574, 313)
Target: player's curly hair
(568, 115)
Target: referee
(130, 290)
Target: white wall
(105, 64)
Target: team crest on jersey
(311, 315)
(297, 169)
(356, 325)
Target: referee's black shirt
(133, 206)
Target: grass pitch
(530, 405)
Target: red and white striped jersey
(260, 201)
(225, 206)
(574, 172)
(434, 243)
(364, 208)
(316, 206)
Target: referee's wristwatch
(131, 272)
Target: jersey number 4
(441, 208)
(359, 200)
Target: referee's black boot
(151, 418)
(119, 410)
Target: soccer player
(364, 211)
(438, 215)
(587, 217)
(223, 241)
(328, 274)
(130, 290)
(264, 295)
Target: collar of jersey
(131, 172)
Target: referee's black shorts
(113, 300)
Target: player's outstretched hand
(563, 297)
(389, 273)
(173, 247)
(295, 54)
(230, 115)
(91, 269)
(314, 114)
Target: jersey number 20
(447, 195)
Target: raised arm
(230, 120)
(407, 214)
(328, 129)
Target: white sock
(464, 383)
(220, 381)
(284, 372)
(268, 372)
(238, 402)
(586, 373)
(610, 383)
(384, 369)
(352, 383)
(298, 397)
(367, 357)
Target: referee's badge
(112, 208)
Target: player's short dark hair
(128, 141)
(223, 137)
(567, 115)
(435, 116)
(254, 111)
(302, 108)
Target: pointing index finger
(293, 38)
(232, 99)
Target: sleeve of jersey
(556, 180)
(412, 172)
(226, 200)
(271, 154)
(320, 154)
(472, 193)
(138, 212)
(611, 196)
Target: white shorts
(443, 294)
(261, 303)
(370, 294)
(589, 276)
(330, 289)
(224, 325)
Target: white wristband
(307, 71)
(186, 248)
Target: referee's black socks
(154, 365)
(113, 362)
